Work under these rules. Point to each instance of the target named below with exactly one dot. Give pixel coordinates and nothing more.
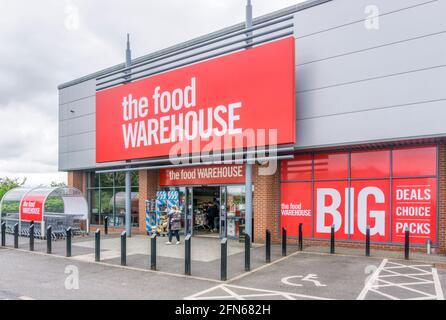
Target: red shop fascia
(388, 190)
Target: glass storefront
(106, 192)
(217, 211)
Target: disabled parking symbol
(308, 278)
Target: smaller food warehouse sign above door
(244, 99)
(213, 174)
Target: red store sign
(31, 208)
(214, 174)
(244, 94)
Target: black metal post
(3, 234)
(301, 238)
(224, 260)
(68, 242)
(187, 255)
(48, 239)
(367, 242)
(332, 240)
(252, 230)
(268, 247)
(123, 248)
(31, 236)
(283, 242)
(16, 235)
(406, 244)
(153, 252)
(106, 225)
(247, 253)
(97, 245)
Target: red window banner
(331, 208)
(296, 208)
(353, 202)
(415, 161)
(370, 164)
(241, 97)
(299, 168)
(370, 205)
(213, 174)
(415, 207)
(31, 208)
(331, 166)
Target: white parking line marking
(371, 280)
(437, 284)
(388, 274)
(233, 292)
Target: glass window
(120, 179)
(106, 203)
(94, 207)
(299, 168)
(330, 166)
(94, 180)
(135, 178)
(370, 164)
(415, 161)
(106, 180)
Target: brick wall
(148, 186)
(265, 204)
(77, 179)
(442, 199)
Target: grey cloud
(41, 46)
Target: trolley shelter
(60, 207)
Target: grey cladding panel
(373, 125)
(374, 63)
(337, 13)
(398, 26)
(78, 125)
(81, 107)
(358, 86)
(375, 94)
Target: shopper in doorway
(211, 215)
(174, 224)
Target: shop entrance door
(232, 211)
(188, 211)
(222, 220)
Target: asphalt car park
(314, 276)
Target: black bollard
(301, 238)
(123, 248)
(97, 245)
(283, 242)
(16, 235)
(406, 244)
(268, 246)
(3, 234)
(68, 242)
(153, 252)
(187, 255)
(48, 240)
(224, 260)
(332, 240)
(106, 225)
(31, 236)
(247, 252)
(367, 242)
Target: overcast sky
(48, 42)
